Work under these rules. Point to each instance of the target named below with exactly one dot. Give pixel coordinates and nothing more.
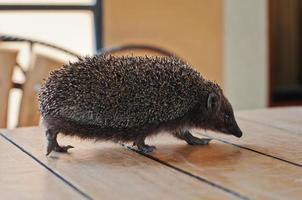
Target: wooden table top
(266, 163)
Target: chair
(41, 66)
(7, 64)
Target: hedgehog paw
(146, 148)
(63, 149)
(50, 147)
(197, 141)
(54, 147)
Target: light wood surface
(266, 139)
(7, 63)
(264, 164)
(23, 178)
(41, 66)
(110, 171)
(240, 170)
(284, 118)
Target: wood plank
(108, 171)
(24, 178)
(254, 175)
(268, 140)
(29, 112)
(8, 61)
(287, 118)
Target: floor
(266, 163)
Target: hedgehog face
(222, 118)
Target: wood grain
(108, 171)
(24, 178)
(253, 175)
(287, 118)
(180, 171)
(266, 139)
(29, 114)
(7, 63)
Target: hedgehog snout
(235, 130)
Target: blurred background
(252, 48)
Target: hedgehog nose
(236, 130)
(238, 133)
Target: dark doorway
(285, 52)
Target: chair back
(29, 110)
(7, 64)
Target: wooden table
(266, 163)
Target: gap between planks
(192, 175)
(226, 142)
(199, 178)
(86, 196)
(250, 149)
(282, 118)
(183, 172)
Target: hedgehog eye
(227, 115)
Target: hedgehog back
(121, 92)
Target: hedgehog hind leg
(53, 145)
(190, 139)
(142, 146)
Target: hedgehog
(130, 98)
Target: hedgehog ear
(212, 102)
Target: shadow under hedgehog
(124, 99)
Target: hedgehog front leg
(53, 145)
(190, 139)
(141, 146)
